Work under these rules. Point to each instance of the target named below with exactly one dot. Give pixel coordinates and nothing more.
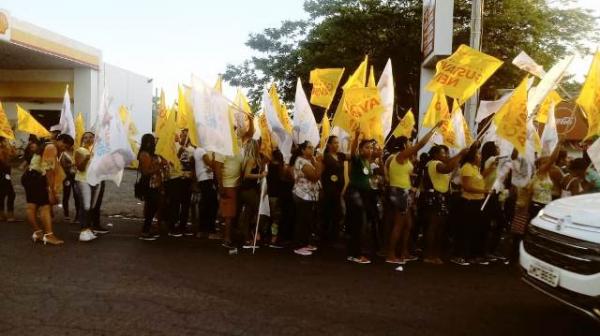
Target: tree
(339, 33)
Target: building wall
(131, 90)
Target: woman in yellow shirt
(471, 234)
(436, 196)
(398, 171)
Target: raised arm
(449, 166)
(412, 150)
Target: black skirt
(36, 188)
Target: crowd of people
(389, 202)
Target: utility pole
(476, 35)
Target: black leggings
(208, 206)
(7, 192)
(68, 187)
(471, 231)
(306, 222)
(356, 217)
(151, 205)
(179, 196)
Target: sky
(170, 40)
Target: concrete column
(85, 94)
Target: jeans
(208, 206)
(68, 187)
(90, 199)
(179, 195)
(306, 222)
(472, 231)
(332, 213)
(356, 217)
(7, 192)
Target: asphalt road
(118, 285)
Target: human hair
(578, 164)
(471, 155)
(436, 150)
(298, 152)
(364, 142)
(251, 152)
(148, 144)
(329, 142)
(84, 133)
(66, 139)
(401, 143)
(488, 150)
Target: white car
(560, 253)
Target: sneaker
(312, 248)
(411, 258)
(491, 258)
(175, 234)
(460, 261)
(100, 230)
(249, 246)
(188, 233)
(360, 260)
(303, 252)
(155, 235)
(147, 237)
(275, 246)
(395, 261)
(87, 235)
(228, 245)
(481, 261)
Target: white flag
(548, 83)
(304, 124)
(66, 124)
(458, 125)
(550, 134)
(213, 122)
(279, 133)
(525, 62)
(263, 208)
(343, 138)
(530, 147)
(385, 86)
(490, 107)
(112, 151)
(594, 154)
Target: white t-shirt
(203, 172)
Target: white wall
(132, 91)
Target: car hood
(583, 209)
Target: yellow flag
(406, 125)
(182, 109)
(5, 129)
(79, 129)
(242, 102)
(27, 123)
(511, 120)
(461, 74)
(163, 114)
(589, 98)
(372, 83)
(468, 135)
(282, 111)
(165, 146)
(266, 142)
(219, 85)
(357, 104)
(542, 116)
(325, 129)
(325, 83)
(359, 77)
(438, 110)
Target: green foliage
(339, 33)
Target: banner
(266, 143)
(325, 83)
(438, 110)
(79, 129)
(457, 122)
(27, 123)
(406, 126)
(325, 130)
(281, 110)
(304, 124)
(162, 113)
(488, 108)
(66, 124)
(511, 120)
(526, 63)
(5, 129)
(461, 74)
(386, 93)
(112, 151)
(359, 78)
(589, 98)
(213, 119)
(552, 99)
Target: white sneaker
(303, 252)
(86, 236)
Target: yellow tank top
(441, 182)
(400, 173)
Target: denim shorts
(398, 198)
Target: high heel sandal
(50, 238)
(37, 236)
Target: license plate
(544, 273)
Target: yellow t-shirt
(400, 173)
(470, 170)
(232, 169)
(441, 182)
(81, 176)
